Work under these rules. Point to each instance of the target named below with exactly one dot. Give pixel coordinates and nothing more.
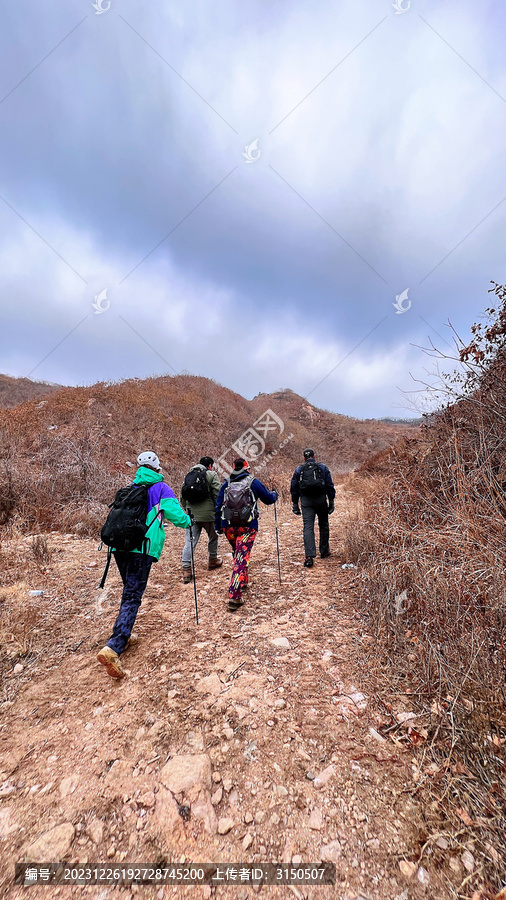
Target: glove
(331, 507)
(295, 509)
(276, 495)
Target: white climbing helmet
(149, 458)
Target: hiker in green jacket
(134, 567)
(198, 497)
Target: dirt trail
(80, 749)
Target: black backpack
(239, 502)
(195, 486)
(125, 527)
(311, 480)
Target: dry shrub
(7, 494)
(431, 550)
(72, 451)
(20, 615)
(41, 550)
(84, 519)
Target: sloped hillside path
(84, 758)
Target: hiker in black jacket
(312, 485)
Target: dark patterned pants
(241, 539)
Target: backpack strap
(106, 570)
(254, 511)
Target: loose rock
(407, 868)
(224, 825)
(281, 642)
(183, 772)
(52, 845)
(324, 777)
(331, 852)
(316, 820)
(95, 831)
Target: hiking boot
(235, 604)
(110, 660)
(133, 639)
(309, 562)
(187, 575)
(215, 562)
(325, 555)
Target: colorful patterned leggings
(241, 539)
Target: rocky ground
(248, 737)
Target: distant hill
(70, 452)
(14, 391)
(396, 421)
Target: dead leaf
(415, 736)
(464, 816)
(460, 769)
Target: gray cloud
(384, 168)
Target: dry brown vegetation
(430, 547)
(62, 460)
(14, 391)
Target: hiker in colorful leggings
(237, 516)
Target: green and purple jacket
(162, 504)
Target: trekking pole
(193, 571)
(277, 539)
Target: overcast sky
(378, 168)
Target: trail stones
(211, 684)
(68, 786)
(331, 853)
(166, 818)
(247, 841)
(6, 826)
(324, 777)
(6, 789)
(225, 825)
(282, 643)
(182, 773)
(217, 796)
(316, 820)
(147, 799)
(377, 736)
(408, 869)
(202, 808)
(52, 845)
(95, 831)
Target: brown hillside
(14, 391)
(63, 459)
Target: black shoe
(325, 555)
(309, 562)
(234, 605)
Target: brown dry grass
(430, 545)
(22, 390)
(61, 462)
